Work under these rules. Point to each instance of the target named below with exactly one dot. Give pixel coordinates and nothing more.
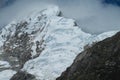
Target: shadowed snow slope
(44, 43)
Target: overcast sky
(92, 15)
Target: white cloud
(20, 9)
(91, 15)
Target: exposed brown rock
(20, 75)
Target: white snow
(6, 74)
(105, 35)
(62, 42)
(9, 29)
(4, 64)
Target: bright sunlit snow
(6, 74)
(63, 40)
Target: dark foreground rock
(99, 62)
(20, 75)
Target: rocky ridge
(101, 61)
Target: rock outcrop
(20, 75)
(101, 61)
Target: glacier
(60, 40)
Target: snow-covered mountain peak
(41, 35)
(44, 43)
(49, 12)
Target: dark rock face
(23, 76)
(22, 41)
(99, 62)
(18, 47)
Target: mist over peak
(93, 16)
(39, 39)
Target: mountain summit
(42, 45)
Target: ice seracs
(52, 42)
(63, 42)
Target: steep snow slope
(63, 42)
(6, 74)
(45, 42)
(98, 62)
(61, 39)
